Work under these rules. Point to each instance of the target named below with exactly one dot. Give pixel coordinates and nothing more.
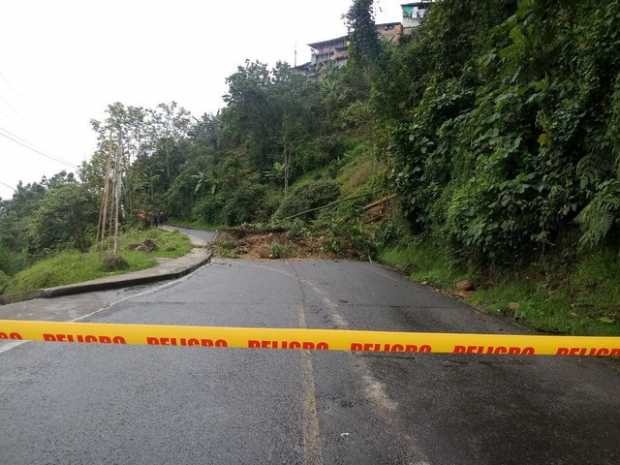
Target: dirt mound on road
(269, 245)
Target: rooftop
(324, 43)
(397, 23)
(423, 3)
(328, 42)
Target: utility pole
(105, 200)
(117, 190)
(286, 168)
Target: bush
(512, 132)
(209, 209)
(4, 281)
(306, 197)
(11, 262)
(296, 230)
(280, 250)
(346, 239)
(243, 204)
(113, 263)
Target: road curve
(64, 404)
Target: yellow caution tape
(308, 339)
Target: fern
(599, 217)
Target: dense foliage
(305, 198)
(56, 213)
(498, 119)
(237, 166)
(510, 133)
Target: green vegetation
(4, 281)
(582, 299)
(510, 139)
(559, 293)
(307, 196)
(280, 250)
(497, 123)
(424, 262)
(226, 248)
(193, 224)
(72, 266)
(170, 244)
(63, 218)
(69, 267)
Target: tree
(364, 40)
(251, 120)
(65, 218)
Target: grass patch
(361, 170)
(356, 174)
(171, 244)
(317, 174)
(583, 299)
(423, 262)
(72, 266)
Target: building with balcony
(336, 51)
(413, 14)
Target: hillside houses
(336, 51)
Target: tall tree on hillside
(167, 125)
(365, 45)
(121, 137)
(251, 119)
(298, 104)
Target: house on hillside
(413, 14)
(390, 32)
(332, 50)
(336, 51)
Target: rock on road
(72, 404)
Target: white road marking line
(374, 389)
(14, 344)
(11, 345)
(133, 296)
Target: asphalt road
(198, 236)
(71, 404)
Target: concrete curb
(93, 286)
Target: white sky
(62, 62)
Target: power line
(8, 185)
(12, 134)
(24, 143)
(9, 104)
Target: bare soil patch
(269, 245)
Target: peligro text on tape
(308, 339)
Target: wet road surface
(64, 404)
(198, 236)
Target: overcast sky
(62, 62)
